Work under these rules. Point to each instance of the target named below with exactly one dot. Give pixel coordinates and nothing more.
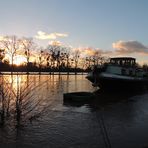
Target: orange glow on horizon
(17, 60)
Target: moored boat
(119, 73)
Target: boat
(120, 73)
(78, 96)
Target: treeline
(54, 58)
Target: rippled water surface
(112, 119)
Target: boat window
(123, 61)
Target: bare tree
(11, 45)
(66, 57)
(2, 54)
(88, 62)
(76, 57)
(48, 60)
(56, 50)
(6, 101)
(41, 59)
(20, 101)
(27, 45)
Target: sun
(19, 60)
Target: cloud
(95, 51)
(3, 38)
(55, 43)
(122, 48)
(45, 36)
(128, 47)
(89, 51)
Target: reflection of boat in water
(119, 73)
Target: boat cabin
(123, 61)
(122, 66)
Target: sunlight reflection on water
(49, 88)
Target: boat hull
(116, 82)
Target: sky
(119, 26)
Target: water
(110, 120)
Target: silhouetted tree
(88, 62)
(20, 101)
(41, 59)
(56, 52)
(27, 45)
(56, 57)
(76, 57)
(66, 58)
(2, 54)
(11, 45)
(48, 60)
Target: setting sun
(18, 60)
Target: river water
(112, 119)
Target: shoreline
(42, 73)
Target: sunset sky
(118, 26)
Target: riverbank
(43, 73)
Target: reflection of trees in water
(21, 99)
(55, 85)
(25, 97)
